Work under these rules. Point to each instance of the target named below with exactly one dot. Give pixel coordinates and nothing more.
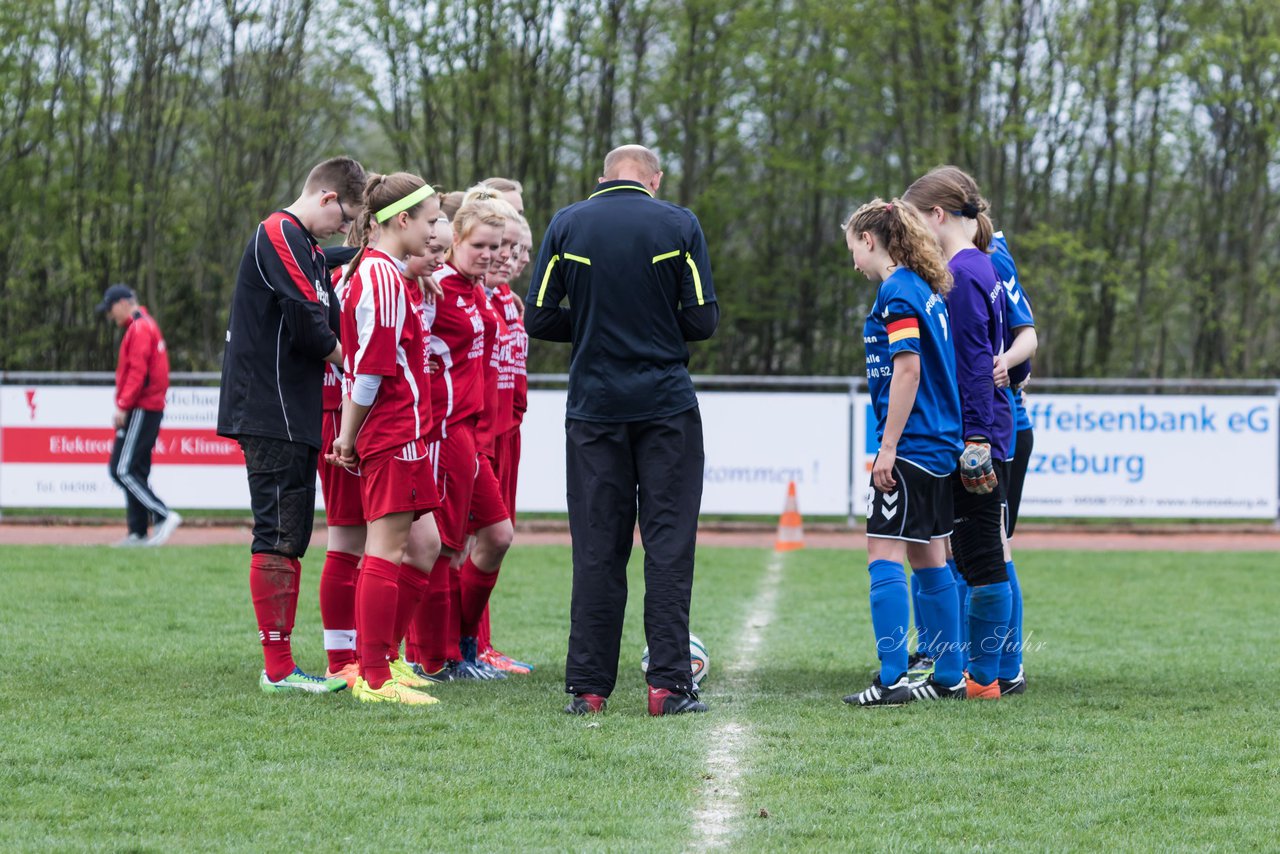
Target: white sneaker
(166, 529)
(130, 541)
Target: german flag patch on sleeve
(901, 327)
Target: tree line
(1130, 150)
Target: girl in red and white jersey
(424, 539)
(386, 417)
(458, 346)
(489, 517)
(512, 354)
(511, 307)
(344, 516)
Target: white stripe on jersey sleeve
(371, 306)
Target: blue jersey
(976, 306)
(1018, 313)
(909, 318)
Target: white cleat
(166, 529)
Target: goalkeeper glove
(976, 472)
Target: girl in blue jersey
(954, 209)
(1020, 344)
(911, 377)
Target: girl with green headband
(385, 418)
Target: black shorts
(1017, 468)
(282, 493)
(919, 510)
(976, 542)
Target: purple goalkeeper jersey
(976, 307)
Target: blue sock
(923, 640)
(890, 613)
(989, 607)
(962, 600)
(938, 604)
(1011, 657)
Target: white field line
(730, 740)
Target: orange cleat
(505, 663)
(974, 691)
(349, 672)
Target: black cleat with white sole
(931, 689)
(879, 694)
(1016, 685)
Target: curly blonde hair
(898, 227)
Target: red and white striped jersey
(383, 334)
(516, 352)
(331, 397)
(495, 419)
(457, 345)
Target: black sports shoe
(465, 670)
(586, 704)
(919, 666)
(471, 666)
(931, 689)
(1016, 685)
(897, 694)
(444, 674)
(666, 702)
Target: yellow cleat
(391, 692)
(403, 673)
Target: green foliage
(1130, 149)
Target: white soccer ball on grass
(699, 661)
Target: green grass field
(132, 720)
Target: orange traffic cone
(790, 525)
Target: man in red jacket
(142, 378)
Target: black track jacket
(638, 278)
(283, 317)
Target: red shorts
(343, 501)
(454, 461)
(509, 468)
(393, 484)
(487, 506)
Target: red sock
(429, 632)
(338, 607)
(376, 605)
(413, 586)
(484, 642)
(296, 563)
(476, 587)
(359, 583)
(454, 626)
(273, 584)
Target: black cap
(114, 294)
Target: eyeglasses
(346, 219)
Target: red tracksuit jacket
(142, 373)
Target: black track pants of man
(614, 470)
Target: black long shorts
(976, 542)
(918, 510)
(282, 493)
(1017, 469)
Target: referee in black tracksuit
(637, 277)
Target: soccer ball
(699, 661)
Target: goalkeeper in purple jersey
(954, 209)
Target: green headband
(404, 204)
